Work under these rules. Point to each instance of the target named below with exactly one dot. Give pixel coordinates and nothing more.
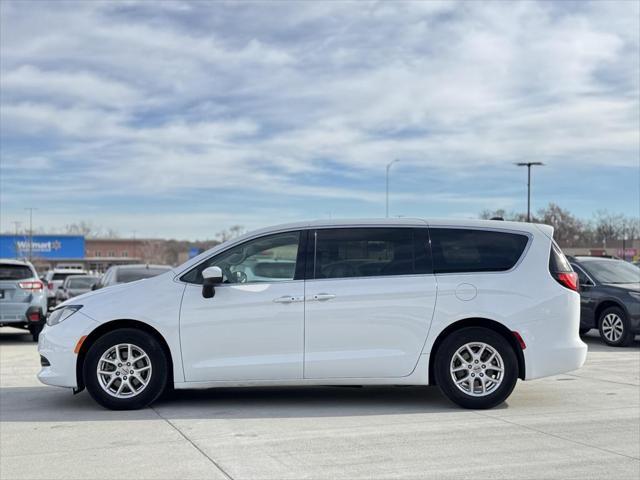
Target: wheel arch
(603, 305)
(115, 325)
(477, 322)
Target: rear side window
(15, 272)
(370, 252)
(458, 250)
(62, 276)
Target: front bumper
(57, 343)
(634, 316)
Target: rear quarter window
(459, 250)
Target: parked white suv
(468, 305)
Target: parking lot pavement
(585, 424)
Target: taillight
(35, 286)
(561, 270)
(567, 279)
(50, 286)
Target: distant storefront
(43, 247)
(49, 251)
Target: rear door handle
(321, 297)
(287, 299)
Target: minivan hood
(117, 289)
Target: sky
(180, 119)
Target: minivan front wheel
(125, 369)
(476, 368)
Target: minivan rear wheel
(476, 368)
(125, 369)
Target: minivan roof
(403, 221)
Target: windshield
(14, 272)
(613, 271)
(81, 282)
(126, 275)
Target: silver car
(129, 273)
(23, 298)
(75, 285)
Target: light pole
(15, 241)
(31, 209)
(387, 196)
(529, 165)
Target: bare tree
(607, 226)
(233, 232)
(568, 230)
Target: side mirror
(211, 276)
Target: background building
(97, 254)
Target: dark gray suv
(609, 298)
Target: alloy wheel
(612, 327)
(124, 370)
(477, 369)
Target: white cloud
(261, 97)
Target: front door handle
(322, 297)
(287, 299)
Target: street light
(15, 240)
(529, 165)
(387, 197)
(31, 209)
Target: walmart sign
(42, 246)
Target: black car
(609, 298)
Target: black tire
(159, 369)
(445, 355)
(584, 331)
(625, 338)
(35, 330)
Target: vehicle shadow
(12, 336)
(596, 344)
(49, 404)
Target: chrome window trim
(575, 265)
(328, 226)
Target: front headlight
(61, 314)
(635, 295)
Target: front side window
(582, 277)
(369, 252)
(271, 258)
(459, 250)
(81, 282)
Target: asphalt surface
(581, 425)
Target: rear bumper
(553, 344)
(56, 345)
(21, 314)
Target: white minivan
(470, 306)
